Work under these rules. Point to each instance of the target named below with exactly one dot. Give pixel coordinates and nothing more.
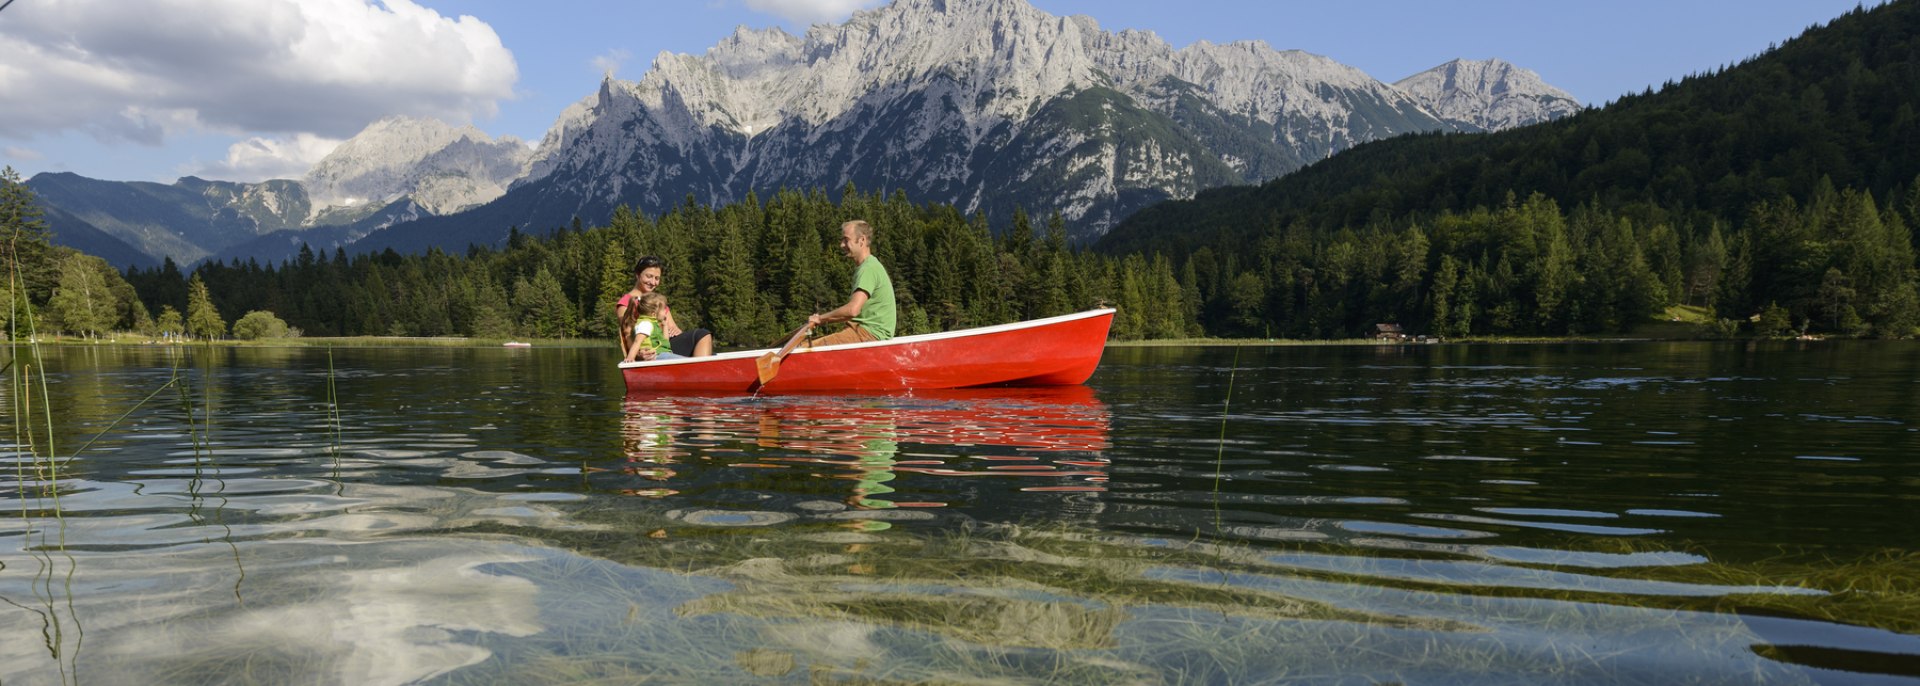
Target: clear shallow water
(1630, 513)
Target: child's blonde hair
(650, 304)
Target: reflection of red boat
(1052, 434)
(1044, 418)
(1057, 351)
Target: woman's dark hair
(649, 262)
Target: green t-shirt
(877, 315)
(655, 333)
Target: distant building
(1389, 332)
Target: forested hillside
(1783, 186)
(1779, 194)
(751, 271)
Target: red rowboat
(1057, 351)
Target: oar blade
(768, 365)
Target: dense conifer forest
(751, 271)
(1777, 195)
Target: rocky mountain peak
(443, 167)
(1491, 94)
(991, 106)
(920, 93)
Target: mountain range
(987, 105)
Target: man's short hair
(862, 228)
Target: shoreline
(575, 343)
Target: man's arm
(842, 313)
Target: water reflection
(1049, 439)
(1516, 514)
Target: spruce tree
(203, 320)
(25, 255)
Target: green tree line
(1843, 263)
(1840, 264)
(750, 271)
(55, 289)
(1753, 189)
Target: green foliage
(203, 319)
(82, 303)
(1754, 184)
(1773, 321)
(169, 323)
(259, 324)
(25, 255)
(543, 307)
(750, 271)
(1527, 267)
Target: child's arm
(642, 343)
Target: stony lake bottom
(1606, 513)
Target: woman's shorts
(683, 344)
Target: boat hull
(1058, 351)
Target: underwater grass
(1064, 588)
(993, 602)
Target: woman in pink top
(646, 278)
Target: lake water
(1590, 514)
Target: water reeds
(37, 482)
(1220, 451)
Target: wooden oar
(769, 364)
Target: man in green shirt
(869, 312)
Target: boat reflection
(1050, 437)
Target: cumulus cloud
(24, 154)
(269, 158)
(811, 11)
(291, 71)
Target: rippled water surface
(1619, 513)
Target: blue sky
(250, 89)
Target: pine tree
(1446, 280)
(490, 317)
(733, 296)
(543, 306)
(25, 254)
(202, 319)
(169, 322)
(616, 279)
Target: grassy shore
(334, 342)
(1676, 323)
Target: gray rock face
(1490, 94)
(442, 168)
(989, 105)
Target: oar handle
(798, 335)
(769, 364)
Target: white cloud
(260, 158)
(811, 11)
(150, 71)
(611, 62)
(23, 154)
